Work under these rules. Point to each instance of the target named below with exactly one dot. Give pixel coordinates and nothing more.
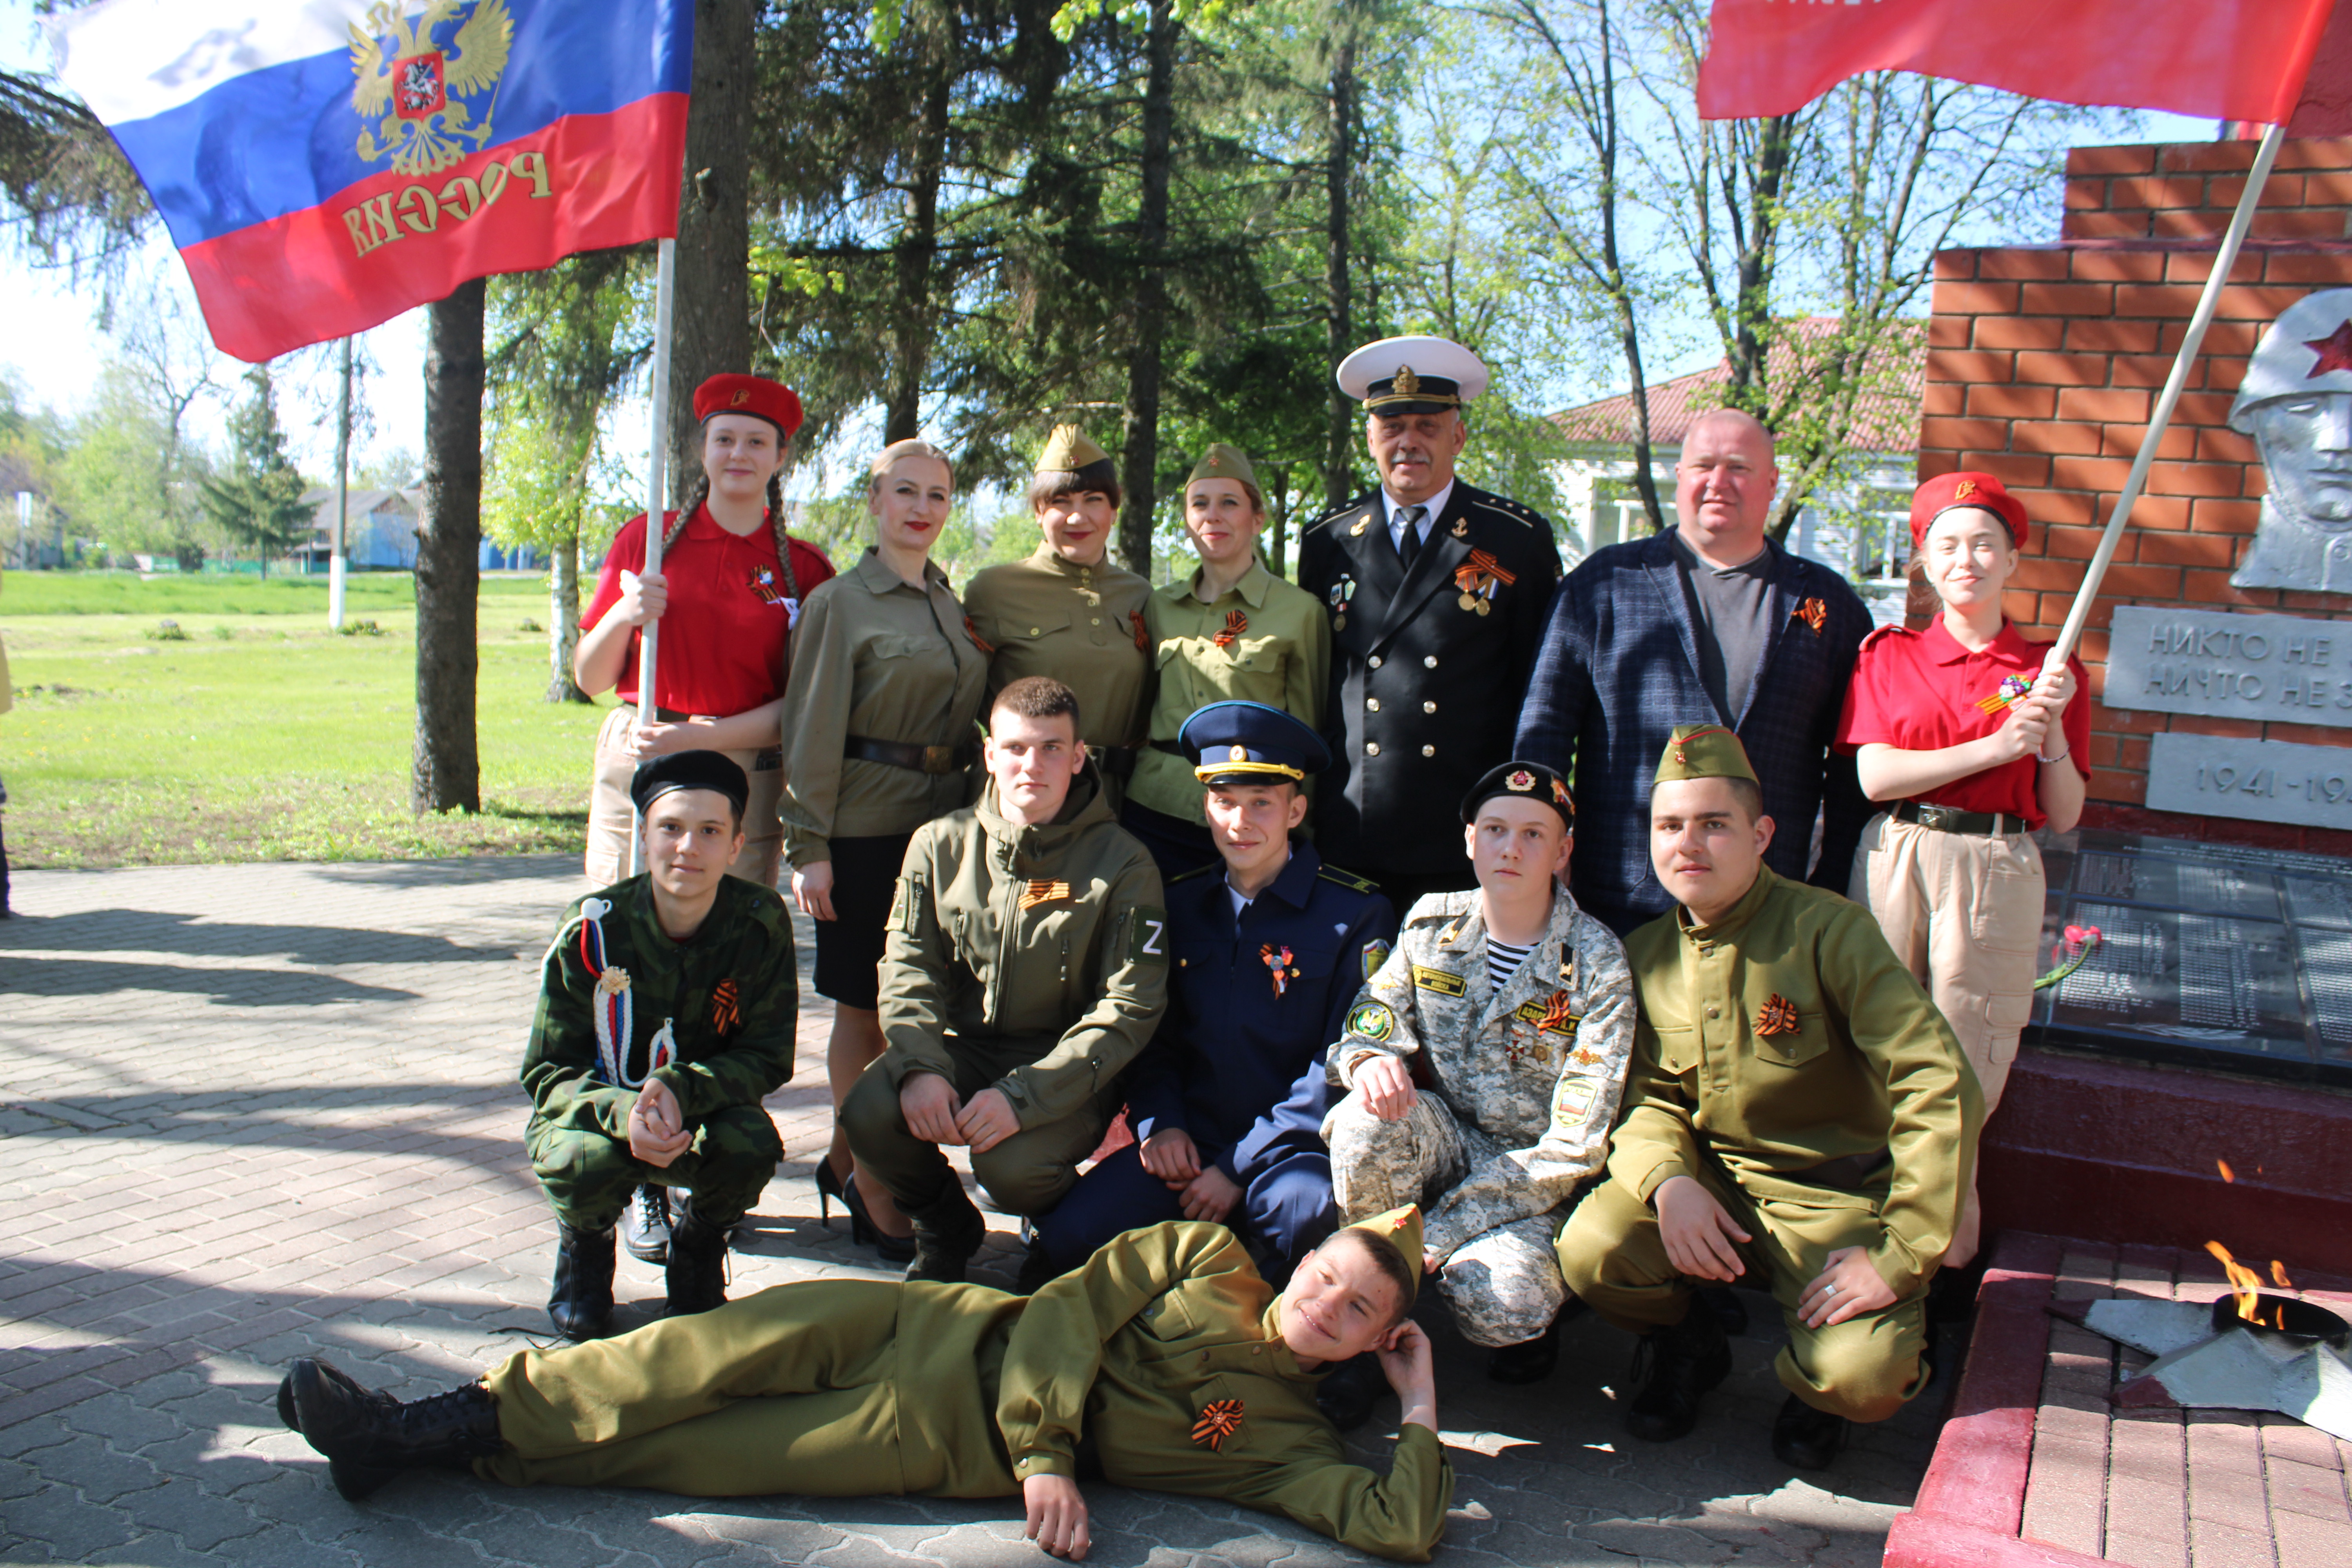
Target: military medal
(1479, 578)
(1279, 959)
(1219, 1420)
(2012, 691)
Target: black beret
(656, 776)
(1522, 781)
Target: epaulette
(1196, 871)
(1884, 631)
(1525, 515)
(1339, 877)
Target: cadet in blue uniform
(1271, 945)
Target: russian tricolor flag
(325, 164)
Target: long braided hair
(775, 523)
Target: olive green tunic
(1869, 1065)
(1277, 652)
(875, 658)
(1081, 625)
(1108, 1372)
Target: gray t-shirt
(1732, 608)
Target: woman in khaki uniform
(1068, 611)
(1233, 631)
(1163, 1362)
(878, 739)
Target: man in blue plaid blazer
(1712, 623)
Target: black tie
(1409, 541)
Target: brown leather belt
(931, 760)
(1849, 1173)
(1949, 819)
(1116, 761)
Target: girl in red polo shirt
(738, 583)
(1958, 725)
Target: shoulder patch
(1326, 872)
(1147, 935)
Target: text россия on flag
(323, 166)
(2228, 59)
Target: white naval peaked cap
(2308, 350)
(1373, 374)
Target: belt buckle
(939, 759)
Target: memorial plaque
(2209, 955)
(2260, 781)
(2226, 666)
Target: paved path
(252, 1112)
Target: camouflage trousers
(1503, 1284)
(589, 1174)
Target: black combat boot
(1530, 1361)
(948, 1231)
(1674, 1366)
(698, 1264)
(369, 1436)
(1805, 1438)
(582, 1301)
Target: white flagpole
(649, 645)
(2194, 339)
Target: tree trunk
(445, 774)
(1140, 461)
(710, 322)
(918, 241)
(1339, 324)
(564, 619)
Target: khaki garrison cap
(1704, 752)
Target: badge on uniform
(1373, 1020)
(1778, 1016)
(1279, 960)
(1479, 578)
(1440, 981)
(1219, 1420)
(1376, 952)
(2012, 691)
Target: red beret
(1940, 495)
(772, 401)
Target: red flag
(2233, 59)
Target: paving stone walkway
(252, 1112)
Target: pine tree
(258, 498)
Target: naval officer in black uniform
(1437, 593)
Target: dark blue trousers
(1288, 1206)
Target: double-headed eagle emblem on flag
(419, 83)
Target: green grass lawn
(260, 736)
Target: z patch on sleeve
(1147, 935)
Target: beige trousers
(612, 820)
(1963, 912)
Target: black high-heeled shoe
(828, 1191)
(864, 1232)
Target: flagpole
(2194, 339)
(649, 648)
